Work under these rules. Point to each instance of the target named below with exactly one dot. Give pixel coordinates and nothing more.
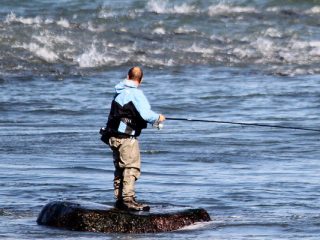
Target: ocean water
(251, 61)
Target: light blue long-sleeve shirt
(128, 91)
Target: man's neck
(136, 82)
(132, 83)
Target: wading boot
(130, 204)
(119, 204)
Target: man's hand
(158, 124)
(161, 118)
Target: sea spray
(265, 36)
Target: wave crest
(164, 7)
(12, 18)
(222, 8)
(41, 52)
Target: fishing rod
(242, 123)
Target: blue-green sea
(251, 61)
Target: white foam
(41, 52)
(49, 21)
(296, 52)
(272, 9)
(184, 9)
(314, 10)
(300, 71)
(157, 6)
(144, 60)
(169, 62)
(195, 48)
(293, 72)
(302, 50)
(196, 226)
(272, 32)
(205, 52)
(159, 30)
(105, 14)
(315, 44)
(243, 53)
(93, 58)
(220, 38)
(63, 23)
(124, 49)
(288, 56)
(157, 51)
(222, 8)
(90, 58)
(160, 62)
(49, 39)
(185, 30)
(12, 18)
(123, 29)
(315, 51)
(265, 46)
(163, 7)
(44, 43)
(28, 21)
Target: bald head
(135, 74)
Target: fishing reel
(158, 125)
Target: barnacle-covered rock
(101, 218)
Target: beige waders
(126, 158)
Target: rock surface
(101, 218)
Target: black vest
(127, 114)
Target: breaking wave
(222, 8)
(41, 52)
(164, 7)
(277, 39)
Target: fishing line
(242, 123)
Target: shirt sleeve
(143, 107)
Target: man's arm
(143, 107)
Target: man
(129, 114)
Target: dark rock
(100, 218)
(289, 12)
